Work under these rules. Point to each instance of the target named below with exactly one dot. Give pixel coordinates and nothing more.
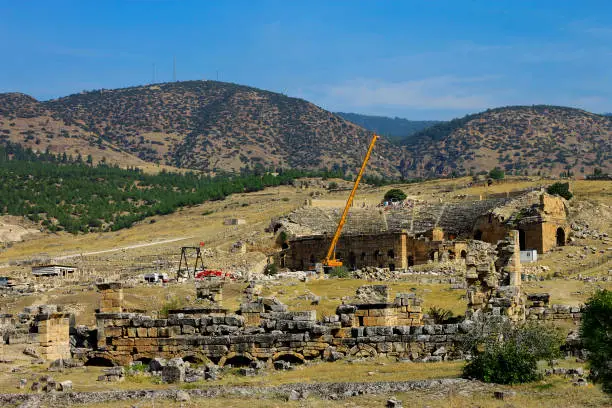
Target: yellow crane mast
(330, 259)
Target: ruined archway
(560, 237)
(463, 254)
(195, 359)
(289, 356)
(478, 235)
(99, 362)
(236, 360)
(144, 360)
(363, 350)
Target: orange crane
(330, 259)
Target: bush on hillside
(395, 194)
(271, 269)
(560, 189)
(596, 334)
(497, 174)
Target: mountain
(215, 127)
(519, 139)
(393, 128)
(212, 126)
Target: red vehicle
(212, 273)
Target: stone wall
(370, 326)
(393, 250)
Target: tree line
(65, 193)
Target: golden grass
(553, 392)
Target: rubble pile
(493, 278)
(376, 274)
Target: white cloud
(442, 92)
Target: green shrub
(271, 269)
(332, 186)
(497, 174)
(560, 189)
(503, 364)
(339, 272)
(596, 334)
(283, 236)
(395, 194)
(507, 353)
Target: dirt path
(166, 241)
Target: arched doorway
(352, 260)
(478, 235)
(522, 244)
(410, 260)
(560, 237)
(464, 254)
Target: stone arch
(196, 358)
(236, 359)
(391, 254)
(290, 356)
(463, 254)
(363, 350)
(560, 237)
(433, 255)
(478, 235)
(99, 361)
(143, 360)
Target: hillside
(395, 129)
(211, 126)
(520, 139)
(32, 124)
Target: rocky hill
(209, 125)
(33, 124)
(520, 139)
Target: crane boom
(330, 258)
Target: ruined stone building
(540, 218)
(420, 231)
(393, 250)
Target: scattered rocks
(31, 352)
(112, 374)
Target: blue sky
(415, 59)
